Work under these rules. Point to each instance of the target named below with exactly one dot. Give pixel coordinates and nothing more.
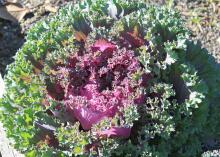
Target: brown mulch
(203, 18)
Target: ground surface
(202, 17)
(5, 148)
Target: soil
(203, 19)
(201, 16)
(11, 39)
(12, 35)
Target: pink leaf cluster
(99, 84)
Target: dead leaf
(80, 36)
(64, 43)
(36, 70)
(53, 72)
(135, 32)
(60, 61)
(26, 78)
(4, 14)
(36, 3)
(53, 1)
(13, 12)
(51, 8)
(37, 65)
(11, 1)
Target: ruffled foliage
(111, 78)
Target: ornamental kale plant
(113, 79)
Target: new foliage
(111, 78)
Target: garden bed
(204, 24)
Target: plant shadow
(11, 39)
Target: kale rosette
(111, 78)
